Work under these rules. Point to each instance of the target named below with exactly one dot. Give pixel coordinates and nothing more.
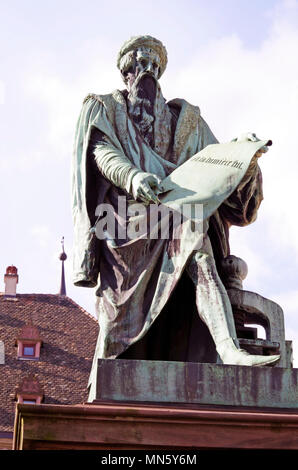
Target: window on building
(28, 400)
(29, 350)
(28, 342)
(29, 391)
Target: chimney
(11, 279)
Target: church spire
(62, 258)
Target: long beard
(141, 101)
(150, 113)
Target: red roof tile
(69, 336)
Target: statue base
(116, 427)
(156, 405)
(134, 381)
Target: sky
(236, 60)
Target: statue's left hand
(251, 137)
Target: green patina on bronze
(131, 143)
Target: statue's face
(146, 62)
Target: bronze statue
(126, 143)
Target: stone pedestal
(123, 426)
(194, 383)
(155, 405)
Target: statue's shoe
(231, 355)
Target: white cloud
(289, 301)
(240, 90)
(61, 105)
(61, 97)
(42, 235)
(242, 247)
(2, 92)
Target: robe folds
(135, 279)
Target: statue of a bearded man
(151, 293)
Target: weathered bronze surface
(157, 298)
(195, 383)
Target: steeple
(62, 258)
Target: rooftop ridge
(64, 298)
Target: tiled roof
(69, 336)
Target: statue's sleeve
(112, 163)
(242, 206)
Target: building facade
(47, 343)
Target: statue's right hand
(144, 186)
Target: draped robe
(135, 279)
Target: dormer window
(29, 343)
(29, 391)
(29, 350)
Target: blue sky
(236, 60)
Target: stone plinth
(155, 405)
(194, 383)
(152, 427)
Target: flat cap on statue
(148, 42)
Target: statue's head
(141, 56)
